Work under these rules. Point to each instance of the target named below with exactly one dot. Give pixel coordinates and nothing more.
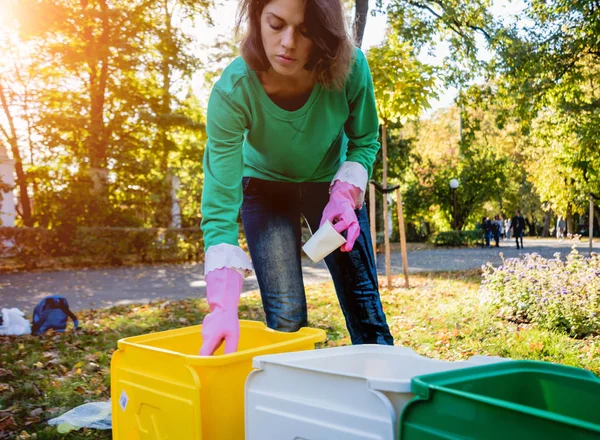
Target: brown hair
(332, 51)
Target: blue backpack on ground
(52, 313)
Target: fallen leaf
(92, 357)
(36, 390)
(64, 428)
(4, 372)
(5, 387)
(7, 422)
(31, 420)
(80, 390)
(36, 412)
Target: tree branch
(11, 124)
(457, 24)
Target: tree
(16, 125)
(402, 87)
(112, 97)
(360, 20)
(550, 73)
(424, 24)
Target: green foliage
(552, 293)
(102, 89)
(547, 74)
(34, 247)
(481, 174)
(403, 85)
(457, 238)
(425, 24)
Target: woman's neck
(288, 85)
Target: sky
(224, 17)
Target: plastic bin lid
(385, 368)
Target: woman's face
(284, 36)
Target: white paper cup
(323, 242)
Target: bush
(552, 293)
(453, 238)
(99, 246)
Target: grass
(439, 317)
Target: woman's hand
(223, 289)
(340, 212)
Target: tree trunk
(402, 237)
(21, 177)
(97, 60)
(373, 221)
(386, 229)
(164, 210)
(360, 20)
(591, 224)
(569, 219)
(547, 218)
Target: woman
(292, 132)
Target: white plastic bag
(14, 323)
(96, 415)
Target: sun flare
(6, 12)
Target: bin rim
(305, 335)
(426, 385)
(374, 382)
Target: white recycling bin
(343, 393)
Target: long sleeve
(362, 126)
(222, 190)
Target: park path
(97, 288)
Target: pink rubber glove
(223, 288)
(340, 212)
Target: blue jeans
(271, 214)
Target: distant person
(561, 226)
(423, 231)
(487, 231)
(496, 230)
(507, 227)
(518, 225)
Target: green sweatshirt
(249, 135)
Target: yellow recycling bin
(162, 390)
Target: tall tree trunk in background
(163, 213)
(569, 218)
(30, 143)
(546, 231)
(14, 148)
(386, 227)
(360, 20)
(97, 59)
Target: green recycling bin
(509, 400)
